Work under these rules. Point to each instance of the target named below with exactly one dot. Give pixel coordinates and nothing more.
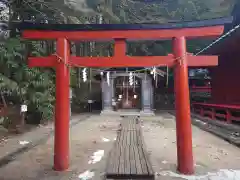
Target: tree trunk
(49, 48)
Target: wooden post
(228, 116)
(61, 146)
(201, 111)
(213, 114)
(183, 119)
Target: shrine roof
(110, 27)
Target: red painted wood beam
(200, 61)
(127, 61)
(49, 61)
(141, 61)
(124, 61)
(125, 34)
(120, 48)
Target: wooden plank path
(128, 158)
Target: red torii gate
(120, 33)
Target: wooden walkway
(128, 158)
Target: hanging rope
(154, 73)
(131, 79)
(134, 83)
(84, 74)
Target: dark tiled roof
(234, 36)
(235, 15)
(102, 27)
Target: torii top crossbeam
(120, 33)
(211, 27)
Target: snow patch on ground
(105, 140)
(86, 175)
(222, 174)
(201, 122)
(23, 142)
(164, 162)
(97, 156)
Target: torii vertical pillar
(61, 146)
(182, 102)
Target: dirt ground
(214, 158)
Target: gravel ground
(97, 134)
